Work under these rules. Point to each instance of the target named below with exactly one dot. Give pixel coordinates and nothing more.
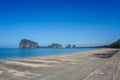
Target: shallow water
(8, 53)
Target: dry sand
(74, 66)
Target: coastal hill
(115, 44)
(24, 43)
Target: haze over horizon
(80, 22)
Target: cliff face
(55, 45)
(24, 43)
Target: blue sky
(81, 22)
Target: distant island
(55, 45)
(25, 43)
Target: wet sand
(73, 66)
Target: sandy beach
(74, 66)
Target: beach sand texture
(74, 66)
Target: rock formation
(74, 46)
(24, 43)
(55, 45)
(68, 46)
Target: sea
(10, 53)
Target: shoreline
(61, 54)
(89, 52)
(32, 52)
(73, 66)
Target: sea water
(8, 53)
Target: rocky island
(55, 45)
(68, 46)
(24, 43)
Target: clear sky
(81, 22)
